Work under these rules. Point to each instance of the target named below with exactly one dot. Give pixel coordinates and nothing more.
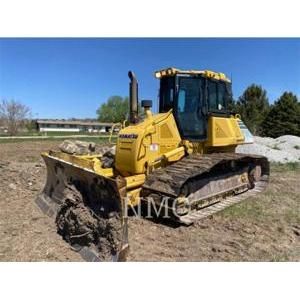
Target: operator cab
(194, 96)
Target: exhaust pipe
(133, 98)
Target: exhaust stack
(133, 98)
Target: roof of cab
(205, 73)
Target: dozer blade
(87, 209)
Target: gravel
(283, 149)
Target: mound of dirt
(81, 227)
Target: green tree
(231, 105)
(284, 117)
(253, 106)
(115, 110)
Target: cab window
(166, 94)
(218, 95)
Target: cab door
(190, 108)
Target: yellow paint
(133, 197)
(156, 142)
(224, 132)
(135, 181)
(107, 172)
(174, 155)
(140, 145)
(90, 162)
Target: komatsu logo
(128, 136)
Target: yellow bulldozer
(179, 164)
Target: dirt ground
(266, 228)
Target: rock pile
(282, 149)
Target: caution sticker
(153, 147)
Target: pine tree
(253, 106)
(284, 117)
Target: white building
(72, 126)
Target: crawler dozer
(180, 163)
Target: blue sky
(64, 78)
